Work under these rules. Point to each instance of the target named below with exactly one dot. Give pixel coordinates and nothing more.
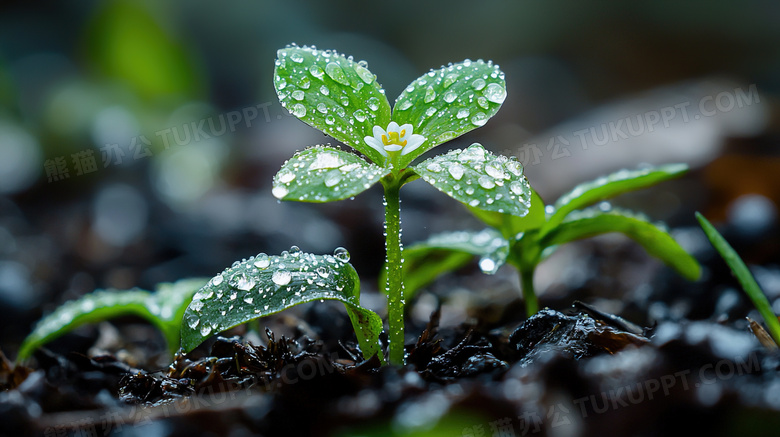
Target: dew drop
(479, 119)
(281, 277)
(456, 171)
(486, 182)
(430, 111)
(474, 202)
(341, 254)
(279, 191)
(193, 321)
(449, 96)
(317, 72)
(364, 74)
(515, 168)
(430, 94)
(434, 167)
(323, 272)
(296, 57)
(344, 100)
(478, 84)
(404, 105)
(462, 113)
(262, 261)
(495, 93)
(336, 73)
(483, 102)
(333, 178)
(281, 83)
(249, 300)
(360, 115)
(216, 280)
(495, 170)
(298, 110)
(373, 103)
(324, 90)
(205, 330)
(450, 79)
(329, 119)
(295, 251)
(286, 177)
(487, 265)
(516, 187)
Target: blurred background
(138, 139)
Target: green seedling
(342, 98)
(743, 275)
(164, 309)
(525, 241)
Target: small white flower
(395, 138)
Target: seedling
(525, 241)
(342, 98)
(163, 308)
(743, 275)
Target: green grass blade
(610, 186)
(655, 239)
(743, 275)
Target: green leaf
(510, 225)
(743, 275)
(449, 251)
(610, 186)
(164, 309)
(654, 238)
(333, 94)
(479, 179)
(324, 174)
(266, 285)
(446, 103)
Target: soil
(604, 358)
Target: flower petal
(393, 148)
(393, 126)
(378, 132)
(414, 142)
(375, 144)
(408, 128)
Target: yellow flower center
(395, 138)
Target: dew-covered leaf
(444, 104)
(332, 93)
(267, 284)
(510, 225)
(743, 275)
(653, 237)
(479, 179)
(164, 309)
(324, 174)
(610, 186)
(448, 251)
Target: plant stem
(395, 284)
(529, 294)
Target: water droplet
(430, 111)
(322, 108)
(262, 261)
(449, 96)
(286, 177)
(373, 103)
(281, 277)
(494, 169)
(479, 119)
(336, 73)
(364, 74)
(474, 202)
(324, 90)
(298, 110)
(404, 105)
(281, 83)
(487, 265)
(430, 94)
(434, 167)
(341, 254)
(242, 282)
(193, 321)
(360, 115)
(486, 182)
(329, 119)
(326, 160)
(450, 79)
(515, 168)
(323, 272)
(249, 299)
(279, 191)
(296, 57)
(456, 171)
(317, 72)
(474, 152)
(295, 251)
(216, 280)
(205, 330)
(516, 187)
(483, 102)
(332, 178)
(344, 100)
(462, 113)
(495, 93)
(478, 84)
